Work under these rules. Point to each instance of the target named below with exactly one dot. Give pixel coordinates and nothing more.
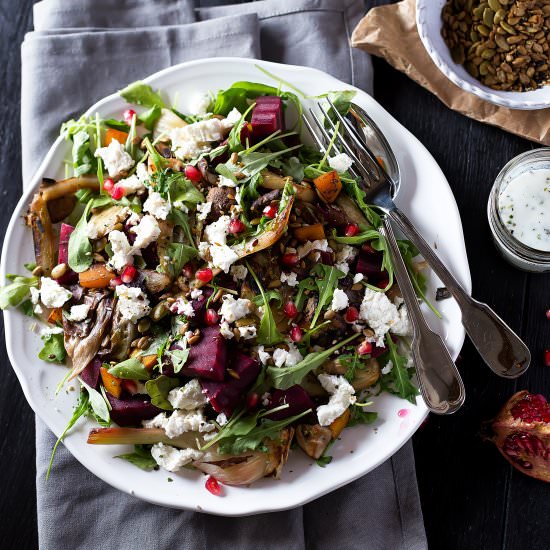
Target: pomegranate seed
(211, 317)
(290, 310)
(236, 226)
(548, 313)
(351, 230)
(270, 211)
(351, 315)
(213, 486)
(365, 348)
(115, 282)
(252, 401)
(290, 259)
(188, 271)
(547, 358)
(108, 185)
(129, 274)
(205, 275)
(296, 334)
(368, 248)
(128, 116)
(117, 193)
(192, 173)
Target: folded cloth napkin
(86, 49)
(390, 32)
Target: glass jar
(513, 250)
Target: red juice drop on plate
(402, 413)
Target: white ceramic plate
(425, 196)
(428, 22)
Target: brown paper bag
(390, 32)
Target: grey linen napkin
(85, 49)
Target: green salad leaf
(327, 282)
(179, 254)
(97, 402)
(141, 457)
(130, 369)
(159, 388)
(53, 350)
(179, 357)
(149, 117)
(140, 93)
(17, 291)
(359, 416)
(285, 377)
(80, 247)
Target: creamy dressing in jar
(524, 208)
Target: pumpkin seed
(508, 28)
(488, 17)
(495, 5)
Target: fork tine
(313, 133)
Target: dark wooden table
(471, 498)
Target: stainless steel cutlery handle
(440, 382)
(499, 346)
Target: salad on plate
(217, 287)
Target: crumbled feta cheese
(234, 309)
(279, 357)
(222, 419)
(342, 395)
(239, 272)
(196, 293)
(357, 278)
(48, 331)
(226, 182)
(247, 332)
(142, 173)
(308, 246)
(266, 399)
(52, 293)
(193, 139)
(199, 104)
(133, 219)
(387, 368)
(339, 300)
(123, 251)
(223, 257)
(291, 279)
(263, 356)
(131, 185)
(182, 307)
(179, 422)
(115, 158)
(188, 397)
(216, 232)
(383, 316)
(225, 331)
(132, 302)
(79, 312)
(179, 205)
(156, 205)
(203, 209)
(147, 231)
(35, 297)
(288, 358)
(232, 117)
(343, 267)
(341, 162)
(346, 253)
(173, 459)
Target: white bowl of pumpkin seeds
(497, 50)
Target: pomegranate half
(521, 432)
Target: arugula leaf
(291, 167)
(228, 99)
(17, 291)
(226, 171)
(30, 266)
(84, 161)
(360, 238)
(256, 161)
(53, 350)
(80, 248)
(234, 138)
(323, 460)
(285, 377)
(398, 380)
(80, 410)
(267, 332)
(142, 94)
(130, 369)
(341, 99)
(351, 363)
(305, 284)
(150, 116)
(353, 189)
(97, 402)
(272, 294)
(359, 416)
(158, 341)
(141, 457)
(180, 254)
(117, 125)
(326, 283)
(159, 388)
(27, 308)
(179, 357)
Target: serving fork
(501, 349)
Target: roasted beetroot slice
(130, 411)
(326, 258)
(370, 265)
(208, 356)
(90, 375)
(63, 254)
(264, 124)
(225, 396)
(297, 399)
(269, 100)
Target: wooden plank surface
(471, 498)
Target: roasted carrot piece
(112, 384)
(98, 276)
(328, 186)
(55, 316)
(313, 232)
(339, 424)
(149, 361)
(119, 135)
